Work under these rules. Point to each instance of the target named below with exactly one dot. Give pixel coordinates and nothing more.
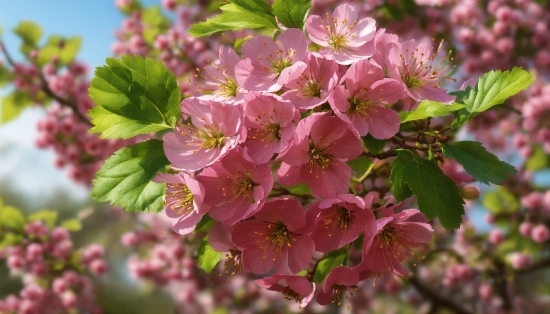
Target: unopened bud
(469, 192)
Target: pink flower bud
(496, 236)
(519, 260)
(525, 229)
(98, 267)
(540, 233)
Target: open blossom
(337, 286)
(277, 238)
(270, 123)
(221, 240)
(215, 129)
(390, 240)
(322, 145)
(362, 102)
(297, 288)
(315, 84)
(267, 65)
(221, 83)
(235, 188)
(342, 37)
(339, 221)
(413, 64)
(183, 201)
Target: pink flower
(315, 84)
(342, 38)
(339, 221)
(297, 288)
(322, 144)
(362, 101)
(337, 286)
(220, 78)
(382, 43)
(413, 64)
(215, 130)
(268, 65)
(277, 238)
(220, 239)
(270, 125)
(235, 188)
(183, 201)
(390, 239)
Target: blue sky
(22, 165)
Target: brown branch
(46, 89)
(437, 299)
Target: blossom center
(283, 62)
(229, 88)
(212, 139)
(244, 186)
(279, 234)
(312, 89)
(340, 219)
(388, 236)
(317, 157)
(358, 105)
(182, 195)
(290, 294)
(337, 41)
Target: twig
(437, 299)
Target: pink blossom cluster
(56, 277)
(281, 115)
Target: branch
(44, 86)
(437, 299)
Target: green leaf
(500, 201)
(429, 109)
(72, 224)
(437, 194)
(328, 263)
(30, 33)
(205, 224)
(360, 167)
(237, 14)
(373, 145)
(492, 88)
(125, 178)
(478, 162)
(155, 23)
(134, 96)
(65, 49)
(207, 258)
(49, 217)
(13, 105)
(9, 239)
(291, 13)
(538, 160)
(6, 76)
(300, 189)
(399, 186)
(11, 218)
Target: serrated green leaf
(134, 96)
(478, 162)
(72, 224)
(48, 217)
(11, 218)
(30, 33)
(237, 14)
(207, 257)
(125, 178)
(328, 263)
(429, 109)
(437, 194)
(360, 167)
(492, 89)
(13, 105)
(291, 13)
(373, 145)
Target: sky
(23, 166)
